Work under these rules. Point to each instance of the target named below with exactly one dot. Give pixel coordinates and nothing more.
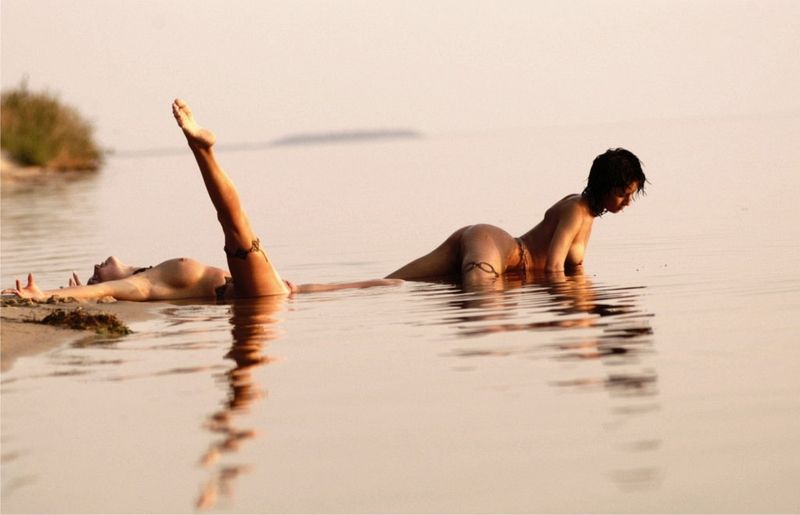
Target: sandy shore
(14, 176)
(20, 338)
(12, 173)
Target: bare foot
(197, 136)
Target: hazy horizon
(257, 71)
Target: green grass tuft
(38, 130)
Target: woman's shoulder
(573, 204)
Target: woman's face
(109, 270)
(618, 198)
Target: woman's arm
(130, 288)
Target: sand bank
(14, 176)
(12, 173)
(18, 337)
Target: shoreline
(19, 338)
(14, 176)
(12, 173)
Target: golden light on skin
(618, 199)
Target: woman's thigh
(253, 273)
(486, 248)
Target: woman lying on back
(476, 254)
(251, 272)
(181, 278)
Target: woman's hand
(75, 280)
(31, 291)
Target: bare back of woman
(480, 254)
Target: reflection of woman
(477, 254)
(253, 327)
(570, 295)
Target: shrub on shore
(38, 130)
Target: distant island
(309, 138)
(345, 136)
(38, 131)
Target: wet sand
(19, 338)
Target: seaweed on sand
(102, 323)
(16, 302)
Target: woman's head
(109, 270)
(615, 178)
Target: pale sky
(262, 69)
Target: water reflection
(601, 329)
(586, 320)
(254, 324)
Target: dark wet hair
(614, 168)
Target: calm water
(666, 379)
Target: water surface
(664, 379)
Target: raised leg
(253, 273)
